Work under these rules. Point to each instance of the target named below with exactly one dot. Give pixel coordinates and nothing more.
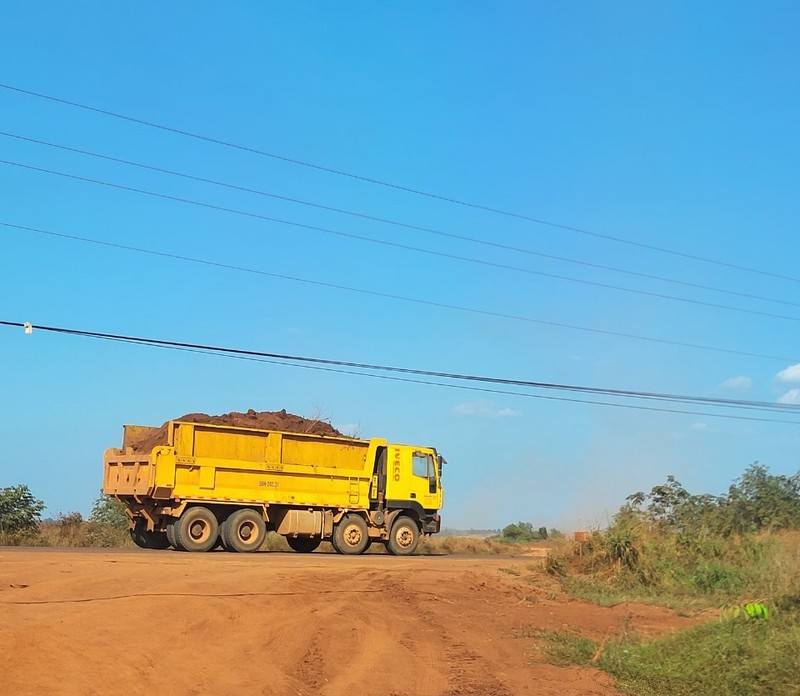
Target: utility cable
(472, 388)
(398, 187)
(387, 221)
(470, 378)
(402, 298)
(397, 245)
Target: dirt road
(110, 622)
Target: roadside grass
(729, 657)
(430, 546)
(464, 545)
(738, 654)
(561, 647)
(70, 531)
(735, 657)
(680, 573)
(73, 531)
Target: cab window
(431, 475)
(419, 464)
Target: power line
(461, 377)
(419, 228)
(398, 187)
(405, 247)
(472, 388)
(402, 298)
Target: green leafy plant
(20, 511)
(748, 611)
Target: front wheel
(404, 537)
(333, 543)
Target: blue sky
(670, 125)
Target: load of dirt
(264, 420)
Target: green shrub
(20, 512)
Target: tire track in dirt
(468, 672)
(290, 625)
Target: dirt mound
(266, 420)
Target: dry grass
(432, 546)
(73, 531)
(465, 545)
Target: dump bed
(230, 464)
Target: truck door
(412, 477)
(424, 481)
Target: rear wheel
(244, 531)
(170, 527)
(404, 537)
(350, 535)
(148, 540)
(303, 544)
(196, 529)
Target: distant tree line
(522, 532)
(757, 501)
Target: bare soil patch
(100, 622)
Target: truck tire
(244, 531)
(303, 544)
(333, 544)
(404, 537)
(350, 535)
(196, 529)
(170, 527)
(149, 540)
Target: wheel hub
(199, 531)
(352, 535)
(246, 531)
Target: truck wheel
(196, 529)
(244, 531)
(148, 540)
(171, 535)
(303, 544)
(136, 537)
(333, 544)
(350, 535)
(404, 537)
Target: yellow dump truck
(213, 485)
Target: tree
(109, 512)
(523, 532)
(756, 501)
(20, 512)
(760, 500)
(108, 523)
(672, 508)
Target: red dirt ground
(78, 622)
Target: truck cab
(413, 482)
